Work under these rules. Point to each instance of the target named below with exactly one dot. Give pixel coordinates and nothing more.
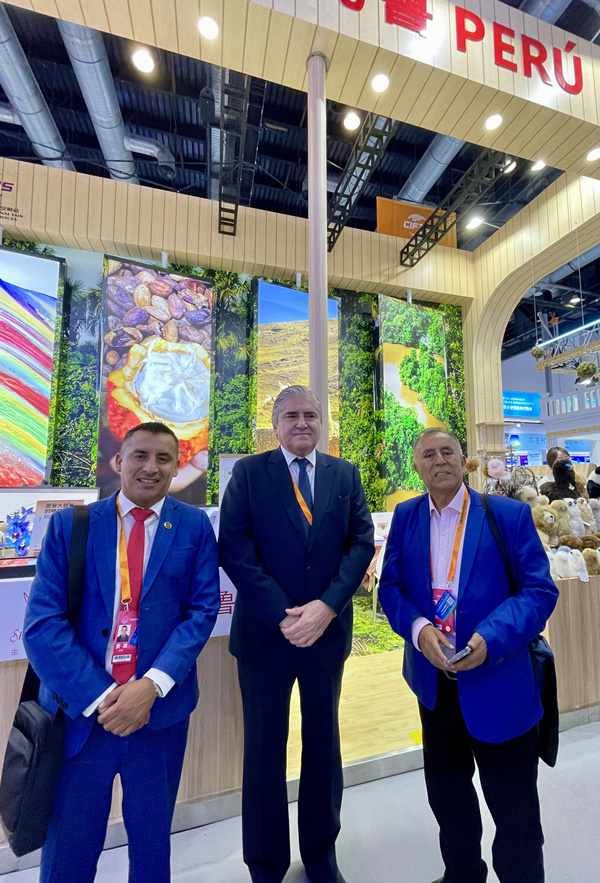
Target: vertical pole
(317, 64)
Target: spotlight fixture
(351, 121)
(593, 155)
(575, 300)
(474, 223)
(493, 122)
(511, 165)
(143, 60)
(208, 27)
(380, 82)
(538, 166)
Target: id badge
(444, 604)
(126, 639)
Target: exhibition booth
(106, 287)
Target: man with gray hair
(296, 538)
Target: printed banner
(15, 593)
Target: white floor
(389, 836)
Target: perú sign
(516, 53)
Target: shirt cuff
(417, 627)
(93, 707)
(163, 681)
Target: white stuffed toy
(587, 516)
(551, 553)
(579, 565)
(564, 563)
(595, 507)
(577, 525)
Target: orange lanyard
(302, 502)
(462, 520)
(123, 562)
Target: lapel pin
(168, 525)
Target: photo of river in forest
(423, 379)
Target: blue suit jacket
(499, 699)
(264, 552)
(178, 607)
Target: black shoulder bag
(542, 660)
(35, 745)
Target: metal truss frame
(374, 136)
(235, 95)
(475, 183)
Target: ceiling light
(575, 331)
(474, 223)
(511, 165)
(208, 27)
(575, 300)
(380, 82)
(143, 60)
(351, 121)
(593, 155)
(493, 122)
(538, 166)
(570, 306)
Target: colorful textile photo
(28, 308)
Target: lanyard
(462, 519)
(302, 502)
(123, 562)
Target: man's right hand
(288, 621)
(430, 641)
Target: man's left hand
(313, 619)
(127, 708)
(476, 657)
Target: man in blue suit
(151, 566)
(444, 587)
(296, 538)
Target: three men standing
(444, 586)
(125, 673)
(296, 538)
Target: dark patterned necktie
(304, 488)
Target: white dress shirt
(290, 459)
(163, 681)
(442, 533)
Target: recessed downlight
(208, 27)
(143, 60)
(538, 166)
(593, 155)
(351, 121)
(380, 82)
(511, 165)
(493, 122)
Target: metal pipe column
(317, 65)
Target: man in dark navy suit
(296, 538)
(151, 571)
(444, 587)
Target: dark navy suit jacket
(178, 608)
(499, 699)
(263, 550)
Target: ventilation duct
(8, 115)
(573, 266)
(150, 147)
(26, 99)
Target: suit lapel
(323, 484)
(424, 549)
(103, 533)
(163, 540)
(475, 520)
(279, 474)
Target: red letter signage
(476, 33)
(502, 48)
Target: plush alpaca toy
(590, 542)
(551, 554)
(562, 488)
(571, 541)
(579, 565)
(562, 517)
(595, 507)
(577, 525)
(527, 494)
(592, 562)
(564, 563)
(544, 518)
(587, 515)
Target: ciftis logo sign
(413, 222)
(410, 14)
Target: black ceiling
(166, 107)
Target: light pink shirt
(442, 527)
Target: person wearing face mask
(125, 673)
(445, 588)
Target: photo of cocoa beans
(143, 302)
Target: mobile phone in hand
(458, 656)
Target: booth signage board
(403, 219)
(521, 405)
(14, 594)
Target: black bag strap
(485, 499)
(79, 535)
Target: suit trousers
(266, 703)
(149, 763)
(508, 774)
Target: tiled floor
(389, 836)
